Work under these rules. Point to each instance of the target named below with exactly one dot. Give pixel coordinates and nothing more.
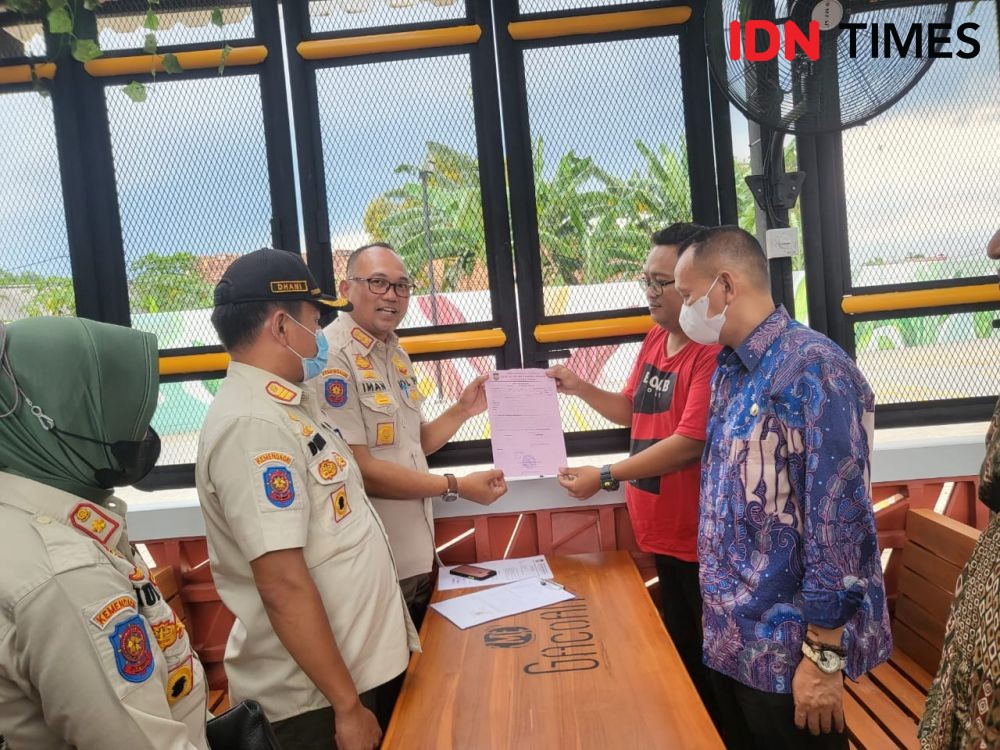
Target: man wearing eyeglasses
(369, 392)
(665, 402)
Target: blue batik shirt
(787, 532)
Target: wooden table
(598, 671)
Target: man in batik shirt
(789, 559)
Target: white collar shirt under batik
(787, 532)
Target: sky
(192, 174)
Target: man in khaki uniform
(91, 656)
(297, 551)
(369, 392)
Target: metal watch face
(829, 662)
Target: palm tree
(455, 216)
(569, 205)
(637, 206)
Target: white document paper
(525, 426)
(508, 571)
(502, 601)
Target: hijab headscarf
(96, 380)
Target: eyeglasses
(377, 285)
(656, 286)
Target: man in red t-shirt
(666, 403)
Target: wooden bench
(884, 707)
(165, 579)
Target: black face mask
(136, 458)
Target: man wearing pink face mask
(791, 579)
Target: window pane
(193, 190)
(930, 358)
(24, 39)
(345, 15)
(399, 148)
(124, 26)
(547, 6)
(442, 380)
(35, 274)
(921, 179)
(605, 365)
(180, 413)
(610, 162)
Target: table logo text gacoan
(573, 647)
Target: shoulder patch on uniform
(112, 607)
(166, 632)
(130, 644)
(273, 457)
(335, 391)
(180, 680)
(385, 433)
(93, 522)
(341, 507)
(362, 362)
(335, 371)
(362, 338)
(278, 486)
(281, 393)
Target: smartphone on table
(473, 571)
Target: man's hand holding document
(526, 429)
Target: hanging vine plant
(60, 19)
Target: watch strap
(819, 646)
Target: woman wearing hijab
(963, 705)
(90, 654)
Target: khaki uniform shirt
(369, 393)
(91, 656)
(272, 475)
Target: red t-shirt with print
(669, 396)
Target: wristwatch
(450, 495)
(825, 657)
(608, 482)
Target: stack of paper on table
(508, 571)
(502, 601)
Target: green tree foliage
(164, 283)
(160, 283)
(572, 207)
(53, 296)
(593, 226)
(44, 295)
(454, 213)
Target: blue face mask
(313, 366)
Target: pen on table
(553, 583)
